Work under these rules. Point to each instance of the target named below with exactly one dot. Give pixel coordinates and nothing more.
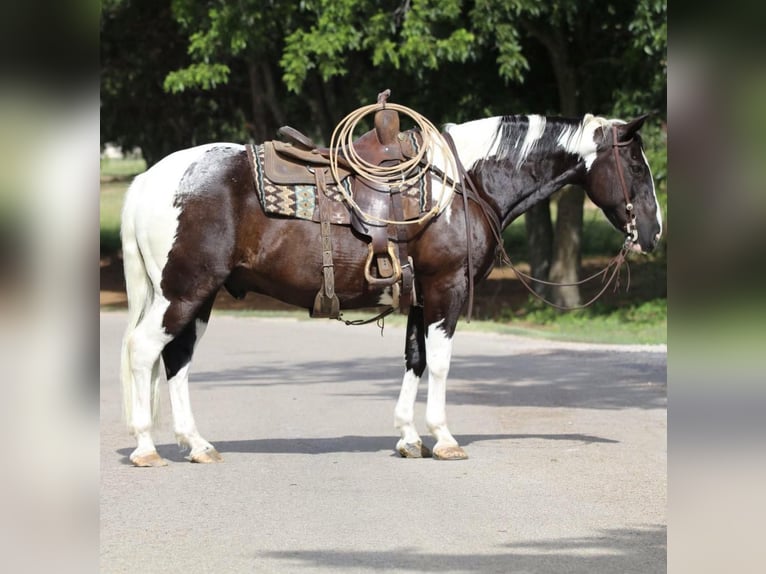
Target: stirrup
(325, 307)
(383, 281)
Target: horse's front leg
(439, 353)
(410, 445)
(443, 301)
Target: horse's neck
(522, 160)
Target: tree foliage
(178, 72)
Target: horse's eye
(637, 169)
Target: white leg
(145, 345)
(439, 353)
(177, 356)
(410, 445)
(183, 418)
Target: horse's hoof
(413, 450)
(449, 453)
(207, 456)
(148, 459)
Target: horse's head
(620, 182)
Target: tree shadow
(348, 444)
(556, 378)
(626, 550)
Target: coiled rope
(404, 174)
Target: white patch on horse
(404, 413)
(193, 180)
(654, 191)
(533, 135)
(475, 140)
(183, 419)
(439, 353)
(386, 298)
(581, 140)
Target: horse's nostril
(657, 238)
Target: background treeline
(176, 73)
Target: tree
(207, 69)
(141, 42)
(589, 47)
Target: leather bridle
(630, 228)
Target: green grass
(644, 324)
(122, 168)
(111, 198)
(116, 175)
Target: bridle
(630, 228)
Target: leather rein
(468, 190)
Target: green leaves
(203, 75)
(412, 37)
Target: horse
(193, 224)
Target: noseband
(631, 229)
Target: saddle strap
(406, 293)
(326, 303)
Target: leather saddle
(298, 161)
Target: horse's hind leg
(410, 445)
(143, 347)
(177, 357)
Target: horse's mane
(518, 135)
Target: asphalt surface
(567, 467)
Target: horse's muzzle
(634, 244)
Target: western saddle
(297, 161)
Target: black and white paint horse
(193, 224)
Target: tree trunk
(265, 112)
(272, 99)
(565, 267)
(537, 222)
(565, 262)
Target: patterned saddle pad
(300, 201)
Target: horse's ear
(627, 130)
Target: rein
(468, 190)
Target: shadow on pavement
(581, 379)
(626, 550)
(347, 444)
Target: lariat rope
(404, 174)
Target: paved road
(567, 466)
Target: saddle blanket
(300, 200)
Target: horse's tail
(139, 290)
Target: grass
(111, 198)
(644, 324)
(116, 175)
(121, 168)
